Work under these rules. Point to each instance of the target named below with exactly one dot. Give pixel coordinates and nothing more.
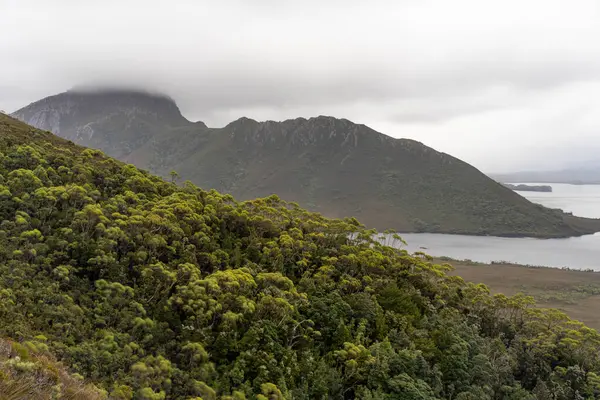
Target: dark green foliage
(155, 291)
(328, 165)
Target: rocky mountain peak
(113, 120)
(61, 112)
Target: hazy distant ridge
(577, 176)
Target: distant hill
(528, 188)
(575, 176)
(329, 165)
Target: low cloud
(505, 85)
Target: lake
(577, 253)
(581, 200)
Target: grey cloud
(466, 77)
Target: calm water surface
(581, 200)
(577, 253)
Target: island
(529, 188)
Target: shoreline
(468, 262)
(517, 235)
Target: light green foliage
(154, 291)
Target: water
(577, 252)
(581, 200)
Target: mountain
(156, 291)
(576, 176)
(113, 121)
(328, 165)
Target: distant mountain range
(329, 165)
(529, 188)
(576, 176)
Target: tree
(174, 176)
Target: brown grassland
(577, 293)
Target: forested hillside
(155, 291)
(328, 165)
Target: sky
(504, 85)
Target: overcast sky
(505, 85)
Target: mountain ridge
(328, 165)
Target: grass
(28, 372)
(575, 292)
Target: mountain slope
(328, 165)
(342, 169)
(154, 291)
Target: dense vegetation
(332, 166)
(155, 291)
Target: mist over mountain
(329, 165)
(114, 121)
